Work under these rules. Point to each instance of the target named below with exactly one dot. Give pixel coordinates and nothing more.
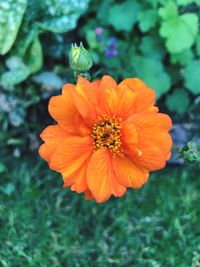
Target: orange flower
(108, 137)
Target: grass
(44, 225)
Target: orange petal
(85, 99)
(53, 135)
(129, 134)
(109, 96)
(144, 96)
(151, 127)
(80, 181)
(63, 110)
(128, 173)
(101, 178)
(161, 139)
(151, 122)
(71, 155)
(149, 156)
(134, 84)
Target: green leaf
(17, 73)
(180, 32)
(191, 75)
(34, 57)
(153, 3)
(182, 58)
(2, 167)
(151, 46)
(184, 2)
(153, 73)
(147, 19)
(103, 8)
(11, 14)
(198, 45)
(168, 11)
(178, 101)
(123, 16)
(61, 15)
(12, 77)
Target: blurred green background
(43, 224)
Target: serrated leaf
(61, 15)
(180, 32)
(191, 76)
(123, 16)
(178, 101)
(34, 57)
(11, 15)
(147, 19)
(153, 73)
(182, 58)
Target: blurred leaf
(14, 62)
(16, 116)
(147, 19)
(154, 3)
(184, 2)
(103, 9)
(191, 75)
(179, 31)
(34, 57)
(18, 70)
(49, 80)
(9, 189)
(198, 45)
(182, 58)
(124, 16)
(153, 74)
(168, 11)
(2, 167)
(150, 44)
(11, 14)
(178, 101)
(62, 15)
(16, 76)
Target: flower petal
(153, 128)
(148, 156)
(53, 136)
(109, 97)
(85, 99)
(101, 178)
(71, 155)
(63, 110)
(80, 181)
(151, 122)
(128, 173)
(144, 96)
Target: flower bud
(80, 59)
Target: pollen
(106, 133)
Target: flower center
(106, 133)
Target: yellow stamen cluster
(106, 133)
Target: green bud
(80, 59)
